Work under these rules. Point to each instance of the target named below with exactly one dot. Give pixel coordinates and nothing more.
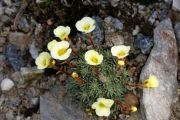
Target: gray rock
(2, 60)
(54, 109)
(102, 3)
(27, 75)
(165, 12)
(14, 102)
(98, 32)
(141, 58)
(168, 1)
(114, 3)
(19, 40)
(135, 116)
(162, 62)
(2, 41)
(14, 57)
(113, 24)
(24, 25)
(136, 30)
(176, 110)
(7, 2)
(9, 11)
(114, 39)
(6, 84)
(39, 1)
(10, 115)
(1, 10)
(177, 32)
(176, 5)
(1, 49)
(33, 50)
(5, 19)
(152, 18)
(144, 43)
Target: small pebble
(2, 40)
(136, 30)
(7, 84)
(1, 49)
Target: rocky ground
(26, 27)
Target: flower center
(63, 34)
(62, 51)
(94, 59)
(121, 53)
(44, 62)
(101, 105)
(86, 26)
(146, 83)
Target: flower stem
(70, 64)
(91, 41)
(74, 52)
(136, 85)
(79, 80)
(96, 71)
(62, 70)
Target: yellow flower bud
(120, 51)
(93, 58)
(102, 106)
(62, 32)
(43, 60)
(121, 62)
(133, 109)
(61, 50)
(152, 82)
(74, 75)
(86, 25)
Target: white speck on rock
(6, 84)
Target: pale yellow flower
(62, 32)
(43, 60)
(61, 50)
(102, 106)
(133, 108)
(152, 82)
(121, 62)
(120, 51)
(93, 58)
(51, 44)
(86, 25)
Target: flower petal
(106, 102)
(51, 44)
(103, 112)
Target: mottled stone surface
(19, 40)
(98, 32)
(14, 57)
(143, 42)
(27, 75)
(59, 109)
(162, 62)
